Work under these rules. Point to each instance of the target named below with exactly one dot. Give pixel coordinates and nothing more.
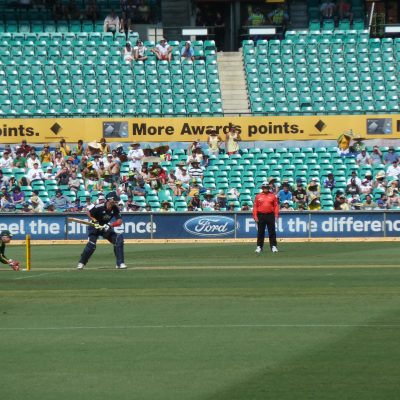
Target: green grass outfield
(203, 321)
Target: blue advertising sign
(205, 226)
(184, 226)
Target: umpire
(101, 215)
(265, 212)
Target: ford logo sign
(210, 226)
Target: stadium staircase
(233, 83)
(298, 15)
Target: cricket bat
(80, 221)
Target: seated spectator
(300, 194)
(62, 176)
(367, 183)
(87, 205)
(154, 180)
(80, 149)
(363, 158)
(111, 22)
(393, 170)
(74, 183)
(329, 182)
(106, 182)
(171, 178)
(391, 156)
(194, 187)
(36, 202)
(6, 202)
(382, 202)
(135, 157)
(60, 201)
(231, 207)
(195, 202)
(32, 159)
(278, 16)
(341, 203)
(221, 199)
(193, 146)
(133, 207)
(380, 180)
(64, 148)
(285, 206)
(140, 51)
(376, 156)
(256, 17)
(315, 203)
(178, 189)
(196, 155)
(354, 178)
(195, 171)
(11, 184)
(45, 155)
(104, 147)
(209, 201)
(6, 160)
(19, 161)
(58, 160)
(165, 206)
(327, 9)
(90, 176)
(128, 53)
(233, 194)
(393, 195)
(352, 188)
(313, 189)
(26, 207)
(48, 175)
(163, 50)
(284, 194)
(18, 197)
(23, 149)
(245, 207)
(187, 52)
(35, 174)
(343, 10)
(145, 173)
(368, 204)
(139, 189)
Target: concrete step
(233, 83)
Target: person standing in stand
(265, 213)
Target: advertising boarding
(306, 225)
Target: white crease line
(37, 275)
(212, 267)
(216, 326)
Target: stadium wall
(252, 128)
(193, 226)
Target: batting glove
(106, 227)
(14, 265)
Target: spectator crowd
(70, 177)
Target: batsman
(5, 237)
(101, 216)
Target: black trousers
(266, 221)
(114, 238)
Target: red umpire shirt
(265, 203)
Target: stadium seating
(343, 72)
(87, 70)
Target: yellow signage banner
(251, 128)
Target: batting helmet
(6, 233)
(112, 196)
